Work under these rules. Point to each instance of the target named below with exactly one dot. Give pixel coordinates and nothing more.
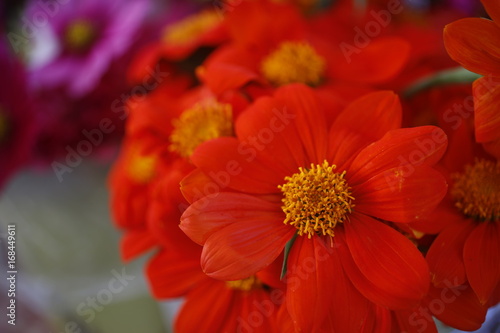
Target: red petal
(457, 306)
(249, 310)
(486, 104)
(171, 274)
(310, 119)
(268, 131)
(443, 216)
(388, 269)
(221, 77)
(245, 246)
(474, 43)
(192, 183)
(214, 212)
(349, 310)
(311, 271)
(210, 301)
(416, 320)
(382, 59)
(493, 9)
(445, 256)
(406, 148)
(493, 148)
(399, 197)
(380, 111)
(233, 164)
(482, 259)
(136, 242)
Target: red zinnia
(288, 178)
(468, 248)
(474, 43)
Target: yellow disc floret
(79, 35)
(199, 124)
(316, 200)
(190, 28)
(293, 62)
(477, 190)
(141, 167)
(247, 284)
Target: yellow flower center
(316, 199)
(79, 35)
(190, 28)
(4, 125)
(477, 190)
(199, 124)
(141, 168)
(293, 62)
(247, 284)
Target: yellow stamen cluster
(316, 199)
(190, 28)
(477, 190)
(79, 35)
(293, 62)
(199, 124)
(247, 284)
(141, 168)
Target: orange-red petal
(172, 274)
(380, 60)
(310, 119)
(309, 278)
(214, 212)
(246, 246)
(233, 164)
(383, 264)
(482, 259)
(445, 256)
(406, 149)
(136, 242)
(475, 44)
(400, 195)
(486, 106)
(493, 9)
(380, 111)
(456, 306)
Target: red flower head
(468, 247)
(474, 43)
(320, 192)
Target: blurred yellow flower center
(293, 62)
(477, 190)
(141, 168)
(79, 35)
(190, 28)
(245, 284)
(199, 124)
(316, 199)
(4, 125)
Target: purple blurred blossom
(17, 117)
(114, 25)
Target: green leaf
(288, 246)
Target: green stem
(288, 246)
(449, 76)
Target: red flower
(324, 190)
(281, 48)
(474, 43)
(468, 248)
